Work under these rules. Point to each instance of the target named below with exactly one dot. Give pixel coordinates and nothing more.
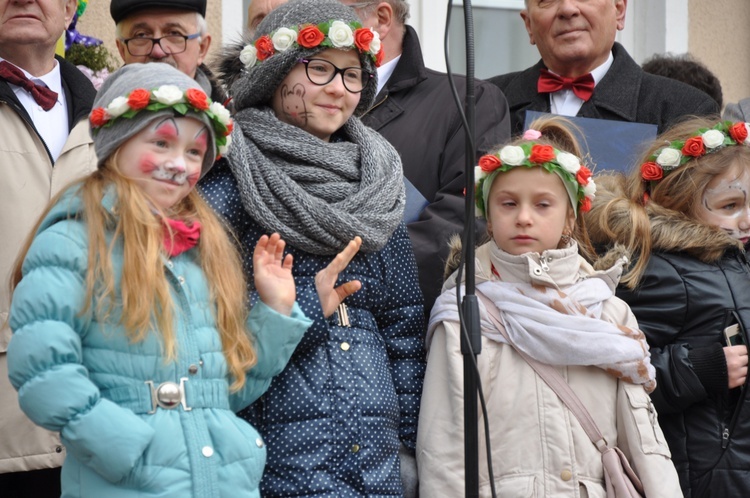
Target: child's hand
(736, 364)
(273, 274)
(331, 297)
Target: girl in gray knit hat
(302, 164)
(131, 332)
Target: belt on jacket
(188, 394)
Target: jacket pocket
(517, 486)
(646, 422)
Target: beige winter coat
(538, 447)
(29, 181)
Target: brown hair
(625, 206)
(144, 293)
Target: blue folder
(607, 144)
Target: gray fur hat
(163, 91)
(254, 76)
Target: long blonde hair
(625, 206)
(144, 296)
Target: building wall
(719, 37)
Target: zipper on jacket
(543, 262)
(724, 436)
(374, 106)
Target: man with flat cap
(170, 31)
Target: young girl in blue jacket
(131, 331)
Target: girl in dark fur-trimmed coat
(685, 212)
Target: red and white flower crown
(530, 155)
(705, 141)
(166, 96)
(331, 34)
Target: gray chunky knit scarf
(318, 195)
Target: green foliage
(94, 58)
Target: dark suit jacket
(626, 93)
(415, 112)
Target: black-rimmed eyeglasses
(321, 72)
(170, 44)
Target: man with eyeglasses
(169, 31)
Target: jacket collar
(617, 92)
(410, 70)
(79, 93)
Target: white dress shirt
(52, 125)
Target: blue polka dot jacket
(334, 419)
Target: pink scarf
(179, 236)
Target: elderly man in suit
(44, 145)
(583, 72)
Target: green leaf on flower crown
(156, 106)
(129, 113)
(182, 108)
(324, 27)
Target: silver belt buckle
(168, 395)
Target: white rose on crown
(669, 158)
(118, 107)
(340, 34)
(283, 39)
(375, 43)
(221, 113)
(569, 162)
(169, 95)
(512, 155)
(249, 56)
(712, 139)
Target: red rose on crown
(139, 98)
(738, 132)
(541, 154)
(230, 127)
(362, 39)
(694, 147)
(197, 98)
(489, 163)
(651, 171)
(584, 175)
(98, 117)
(310, 37)
(585, 205)
(264, 47)
(380, 57)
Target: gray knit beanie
(264, 70)
(120, 112)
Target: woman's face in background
(725, 203)
(318, 109)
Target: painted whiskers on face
(725, 204)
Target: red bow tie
(183, 236)
(582, 87)
(45, 97)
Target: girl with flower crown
(685, 215)
(557, 309)
(131, 331)
(343, 412)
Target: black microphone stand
(471, 343)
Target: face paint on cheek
(148, 164)
(193, 179)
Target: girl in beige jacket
(559, 310)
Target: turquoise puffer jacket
(85, 379)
